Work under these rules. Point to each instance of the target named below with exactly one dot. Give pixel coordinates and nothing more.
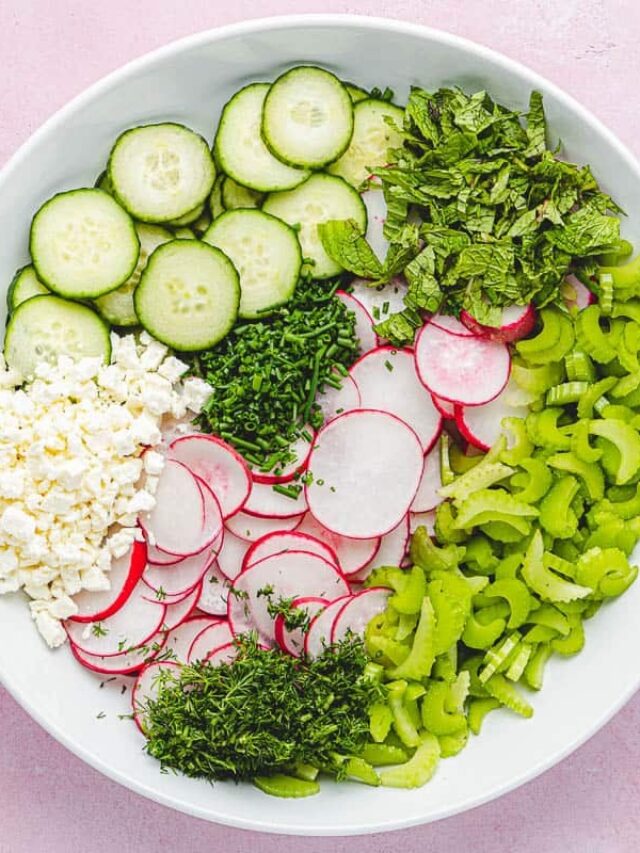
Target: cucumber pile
(182, 239)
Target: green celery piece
(450, 613)
(534, 670)
(538, 482)
(542, 581)
(419, 661)
(380, 720)
(505, 692)
(574, 641)
(626, 276)
(478, 710)
(435, 717)
(453, 743)
(627, 441)
(280, 785)
(493, 505)
(556, 515)
(590, 474)
(606, 570)
(480, 477)
(382, 754)
(517, 596)
(402, 723)
(479, 636)
(418, 770)
(599, 345)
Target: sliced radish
(225, 654)
(124, 664)
(264, 502)
(387, 380)
(576, 294)
(382, 301)
(366, 466)
(180, 611)
(147, 688)
(292, 640)
(180, 639)
(470, 370)
(160, 558)
(214, 592)
(218, 464)
(364, 322)
(352, 554)
(446, 409)
(301, 448)
(355, 614)
(277, 543)
(482, 425)
(392, 549)
(125, 573)
(450, 324)
(131, 626)
(178, 524)
(252, 527)
(422, 519)
(181, 577)
(318, 636)
(231, 555)
(428, 497)
(210, 638)
(336, 401)
(292, 574)
(517, 322)
(376, 216)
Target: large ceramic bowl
(189, 81)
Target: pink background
(49, 801)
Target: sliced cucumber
(235, 195)
(202, 222)
(184, 234)
(160, 172)
(188, 218)
(45, 327)
(307, 118)
(117, 307)
(188, 295)
(321, 198)
(103, 182)
(372, 138)
(240, 149)
(24, 285)
(266, 253)
(216, 207)
(355, 92)
(83, 244)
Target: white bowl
(189, 81)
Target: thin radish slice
(376, 206)
(301, 448)
(393, 548)
(277, 543)
(470, 371)
(382, 301)
(147, 688)
(336, 401)
(446, 409)
(264, 502)
(160, 558)
(180, 639)
(180, 611)
(450, 324)
(181, 577)
(428, 497)
(366, 466)
(352, 554)
(125, 664)
(231, 555)
(576, 294)
(225, 654)
(517, 322)
(125, 573)
(250, 528)
(291, 640)
(318, 637)
(387, 380)
(178, 524)
(293, 574)
(482, 425)
(356, 613)
(219, 465)
(364, 322)
(423, 519)
(212, 637)
(214, 592)
(131, 626)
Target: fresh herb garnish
(98, 630)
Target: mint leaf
(536, 126)
(588, 231)
(344, 242)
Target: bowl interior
(190, 82)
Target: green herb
(98, 630)
(262, 714)
(101, 715)
(293, 617)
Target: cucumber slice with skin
(117, 307)
(103, 182)
(240, 149)
(188, 218)
(184, 234)
(321, 198)
(24, 285)
(202, 222)
(160, 172)
(355, 92)
(188, 295)
(307, 118)
(266, 253)
(83, 244)
(45, 327)
(216, 207)
(235, 195)
(372, 138)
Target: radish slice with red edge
(180, 639)
(366, 466)
(291, 640)
(482, 425)
(352, 554)
(301, 448)
(517, 322)
(381, 301)
(576, 294)
(422, 519)
(125, 573)
(318, 637)
(160, 558)
(265, 502)
(292, 574)
(364, 322)
(179, 612)
(147, 688)
(231, 555)
(219, 465)
(279, 542)
(214, 592)
(392, 549)
(210, 638)
(181, 577)
(387, 380)
(124, 664)
(470, 371)
(450, 324)
(376, 206)
(428, 497)
(225, 654)
(355, 614)
(336, 401)
(250, 528)
(446, 409)
(133, 625)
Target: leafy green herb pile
(265, 712)
(265, 374)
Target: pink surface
(49, 801)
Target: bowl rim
(284, 22)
